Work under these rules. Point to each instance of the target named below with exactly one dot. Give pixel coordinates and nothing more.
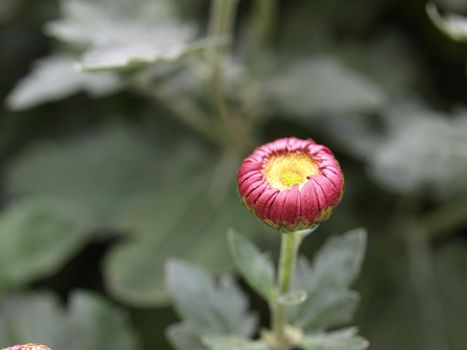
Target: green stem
(181, 107)
(265, 19)
(221, 26)
(288, 258)
(222, 19)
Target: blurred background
(124, 122)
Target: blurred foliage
(320, 299)
(140, 157)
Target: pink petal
(290, 210)
(263, 201)
(275, 211)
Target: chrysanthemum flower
(291, 184)
(28, 347)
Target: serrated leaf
(323, 86)
(409, 161)
(36, 237)
(130, 34)
(342, 340)
(330, 303)
(339, 261)
(256, 267)
(116, 179)
(452, 25)
(56, 77)
(183, 337)
(167, 44)
(233, 343)
(84, 22)
(92, 173)
(220, 309)
(89, 323)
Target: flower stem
(221, 27)
(265, 23)
(288, 258)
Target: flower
(291, 184)
(28, 347)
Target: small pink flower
(28, 347)
(291, 184)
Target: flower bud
(28, 347)
(291, 184)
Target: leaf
(330, 303)
(36, 237)
(183, 220)
(89, 323)
(339, 261)
(234, 343)
(166, 44)
(93, 173)
(131, 34)
(219, 309)
(117, 179)
(342, 340)
(54, 78)
(454, 26)
(254, 266)
(409, 161)
(323, 86)
(183, 337)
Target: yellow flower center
(287, 170)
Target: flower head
(291, 184)
(28, 347)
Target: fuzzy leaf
(409, 161)
(56, 77)
(93, 173)
(36, 237)
(117, 179)
(254, 266)
(89, 323)
(183, 337)
(128, 35)
(330, 302)
(219, 309)
(454, 26)
(341, 340)
(234, 343)
(323, 86)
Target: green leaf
(56, 77)
(117, 179)
(92, 173)
(233, 343)
(89, 323)
(341, 340)
(185, 220)
(339, 261)
(36, 237)
(129, 34)
(409, 161)
(330, 303)
(183, 337)
(209, 308)
(256, 267)
(323, 86)
(454, 26)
